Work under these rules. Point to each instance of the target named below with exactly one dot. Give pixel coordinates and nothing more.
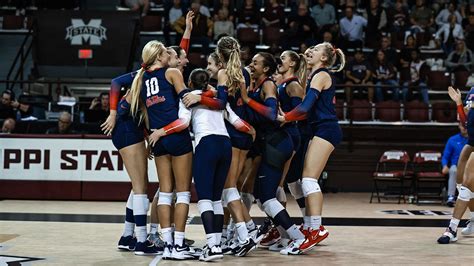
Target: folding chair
(429, 181)
(391, 168)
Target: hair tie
(144, 66)
(334, 49)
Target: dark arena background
(389, 187)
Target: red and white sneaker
(293, 247)
(270, 238)
(305, 232)
(313, 238)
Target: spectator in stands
(399, 15)
(225, 4)
(450, 159)
(273, 15)
(421, 17)
(138, 5)
(323, 14)
(418, 78)
(405, 53)
(391, 54)
(64, 125)
(461, 59)
(358, 71)
(248, 15)
(223, 26)
(100, 103)
(203, 9)
(176, 11)
(8, 126)
(202, 27)
(469, 30)
(376, 22)
(448, 33)
(443, 16)
(300, 28)
(6, 105)
(327, 37)
(352, 29)
(245, 55)
(384, 73)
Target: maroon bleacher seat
(340, 109)
(248, 36)
(444, 112)
(429, 180)
(197, 59)
(416, 111)
(11, 22)
(271, 35)
(387, 111)
(460, 79)
(360, 110)
(151, 23)
(439, 80)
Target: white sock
(242, 232)
(453, 224)
(282, 231)
(178, 238)
(166, 234)
(250, 225)
(153, 228)
(211, 240)
(294, 232)
(140, 210)
(129, 228)
(472, 216)
(217, 238)
(306, 222)
(315, 222)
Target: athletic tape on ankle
(183, 197)
(465, 194)
(205, 206)
(272, 207)
(296, 190)
(310, 186)
(280, 194)
(165, 198)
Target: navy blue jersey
(259, 120)
(160, 98)
(324, 108)
(470, 98)
(236, 103)
(283, 98)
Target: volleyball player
(275, 144)
(466, 168)
(319, 106)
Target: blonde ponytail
(302, 72)
(342, 59)
(234, 70)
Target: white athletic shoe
(469, 229)
(211, 254)
(293, 247)
(279, 245)
(167, 252)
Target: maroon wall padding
(35, 189)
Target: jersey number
(152, 87)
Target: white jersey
(206, 121)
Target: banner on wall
(51, 159)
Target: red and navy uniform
(161, 101)
(126, 131)
(240, 140)
(470, 117)
(321, 111)
(287, 104)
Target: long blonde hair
(150, 53)
(229, 50)
(300, 68)
(331, 53)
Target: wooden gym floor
(86, 233)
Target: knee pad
(272, 207)
(465, 194)
(280, 194)
(165, 198)
(183, 197)
(205, 206)
(230, 194)
(310, 186)
(296, 190)
(217, 207)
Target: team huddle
(255, 127)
